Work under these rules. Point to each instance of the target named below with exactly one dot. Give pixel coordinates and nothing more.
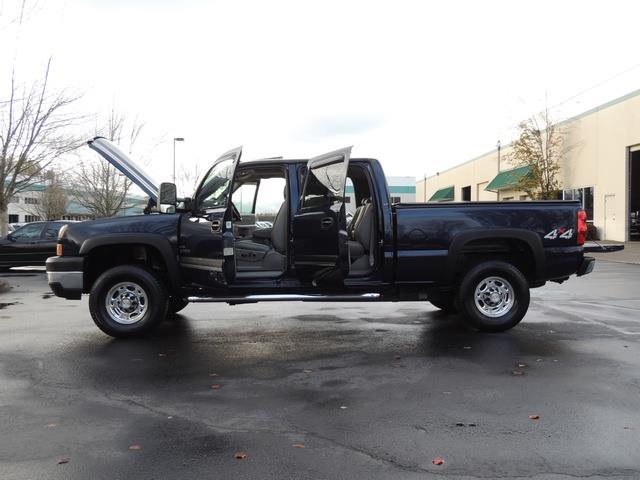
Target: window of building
(466, 193)
(507, 199)
(583, 195)
(31, 201)
(395, 200)
(523, 198)
(14, 199)
(14, 218)
(31, 218)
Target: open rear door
(319, 226)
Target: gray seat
(362, 239)
(266, 251)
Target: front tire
(127, 301)
(493, 296)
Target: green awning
(508, 179)
(443, 195)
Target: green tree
(541, 147)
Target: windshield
(215, 187)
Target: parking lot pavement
(327, 391)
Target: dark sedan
(30, 245)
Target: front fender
(154, 240)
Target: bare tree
(187, 179)
(541, 147)
(99, 186)
(52, 202)
(34, 126)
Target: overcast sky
(419, 85)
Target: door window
(325, 184)
(270, 198)
(51, 232)
(243, 198)
(28, 232)
(215, 187)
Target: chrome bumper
(65, 276)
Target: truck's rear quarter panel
(426, 234)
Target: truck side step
(365, 297)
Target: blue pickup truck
(277, 230)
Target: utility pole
(499, 145)
(425, 188)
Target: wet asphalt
(325, 391)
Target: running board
(365, 297)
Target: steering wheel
(235, 214)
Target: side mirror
(167, 197)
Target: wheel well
(514, 251)
(101, 258)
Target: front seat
(362, 239)
(266, 251)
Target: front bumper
(66, 276)
(586, 266)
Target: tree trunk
(4, 220)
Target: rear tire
(493, 296)
(127, 301)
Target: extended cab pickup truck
(277, 230)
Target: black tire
(176, 304)
(153, 294)
(500, 279)
(446, 303)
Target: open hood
(128, 167)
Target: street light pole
(176, 139)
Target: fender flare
(530, 238)
(156, 241)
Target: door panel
(319, 227)
(206, 233)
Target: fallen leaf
(534, 417)
(438, 461)
(135, 446)
(215, 386)
(213, 374)
(467, 348)
(627, 428)
(298, 445)
(162, 354)
(517, 373)
(522, 365)
(52, 425)
(342, 407)
(239, 455)
(307, 370)
(473, 425)
(62, 461)
(459, 424)
(396, 365)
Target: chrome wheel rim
(494, 297)
(126, 303)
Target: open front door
(206, 246)
(319, 226)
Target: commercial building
(601, 169)
(401, 189)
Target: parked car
(12, 227)
(479, 258)
(30, 244)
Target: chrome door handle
(216, 226)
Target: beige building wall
(600, 140)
